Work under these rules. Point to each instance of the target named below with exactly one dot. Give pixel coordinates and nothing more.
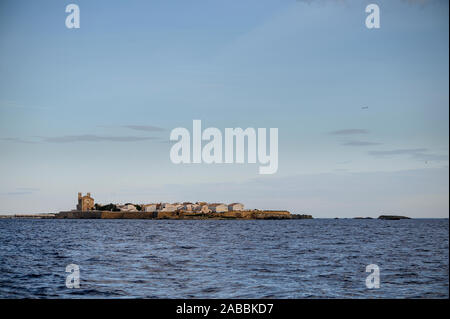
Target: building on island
(218, 207)
(179, 206)
(235, 206)
(188, 206)
(149, 208)
(202, 208)
(85, 203)
(167, 207)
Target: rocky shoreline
(246, 214)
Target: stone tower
(85, 203)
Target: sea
(317, 258)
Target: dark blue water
(323, 258)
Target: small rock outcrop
(392, 217)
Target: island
(87, 209)
(392, 217)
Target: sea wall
(77, 214)
(128, 215)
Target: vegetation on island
(110, 207)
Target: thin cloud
(16, 105)
(95, 138)
(420, 154)
(145, 128)
(352, 131)
(28, 189)
(398, 152)
(17, 140)
(344, 162)
(21, 191)
(360, 143)
(80, 138)
(18, 193)
(430, 157)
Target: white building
(167, 207)
(218, 208)
(149, 207)
(203, 208)
(188, 206)
(235, 206)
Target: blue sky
(91, 109)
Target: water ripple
(223, 259)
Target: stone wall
(77, 214)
